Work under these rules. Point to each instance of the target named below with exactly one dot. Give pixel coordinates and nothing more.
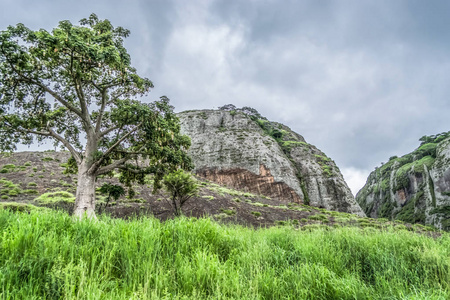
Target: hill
(243, 150)
(414, 188)
(30, 180)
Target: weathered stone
(231, 148)
(241, 179)
(412, 188)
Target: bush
(229, 212)
(55, 197)
(318, 217)
(181, 187)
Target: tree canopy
(75, 85)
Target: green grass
(47, 158)
(48, 255)
(55, 197)
(9, 188)
(19, 207)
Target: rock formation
(241, 149)
(414, 188)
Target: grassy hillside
(46, 254)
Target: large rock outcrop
(413, 188)
(243, 150)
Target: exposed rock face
(253, 154)
(414, 188)
(241, 179)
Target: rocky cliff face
(414, 188)
(245, 151)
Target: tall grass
(48, 255)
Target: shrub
(256, 213)
(55, 197)
(30, 192)
(9, 167)
(318, 217)
(229, 212)
(181, 187)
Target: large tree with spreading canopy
(75, 85)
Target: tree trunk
(85, 198)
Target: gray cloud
(362, 80)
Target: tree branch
(83, 104)
(111, 167)
(50, 133)
(97, 164)
(66, 143)
(100, 114)
(105, 132)
(45, 88)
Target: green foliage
(19, 207)
(111, 191)
(434, 138)
(221, 190)
(181, 187)
(10, 167)
(55, 197)
(426, 149)
(441, 210)
(427, 161)
(47, 158)
(229, 212)
(318, 217)
(386, 209)
(289, 145)
(256, 213)
(304, 190)
(200, 259)
(9, 188)
(30, 192)
(401, 176)
(409, 214)
(78, 81)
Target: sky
(362, 80)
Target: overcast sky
(361, 80)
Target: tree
(75, 85)
(181, 187)
(111, 191)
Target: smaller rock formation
(414, 188)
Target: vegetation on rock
(404, 189)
